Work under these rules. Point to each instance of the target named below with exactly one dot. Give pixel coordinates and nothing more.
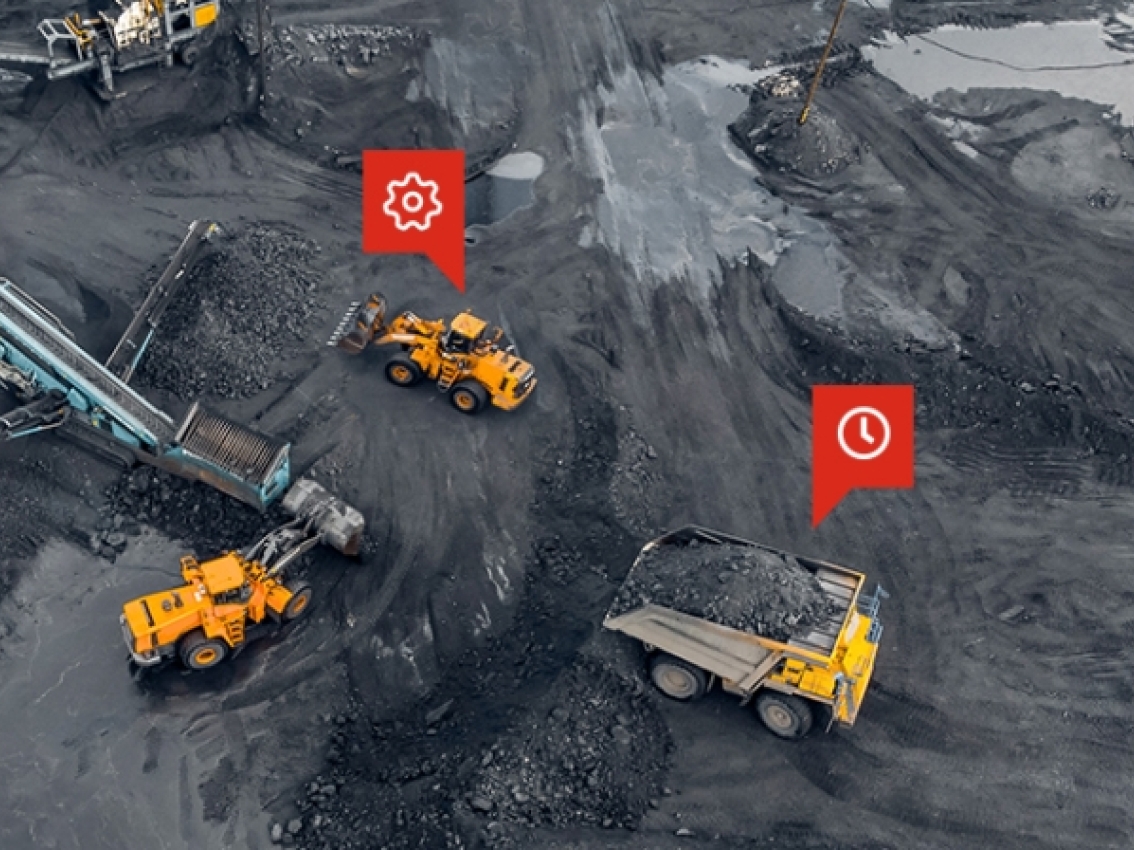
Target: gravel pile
(771, 134)
(741, 587)
(245, 308)
(595, 759)
(361, 45)
(206, 520)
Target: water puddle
(502, 190)
(1088, 60)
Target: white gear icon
(406, 202)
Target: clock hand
(863, 431)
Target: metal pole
(260, 42)
(822, 63)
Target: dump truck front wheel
(200, 653)
(784, 715)
(468, 397)
(677, 679)
(402, 371)
(300, 601)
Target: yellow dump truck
(824, 668)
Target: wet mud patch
(246, 310)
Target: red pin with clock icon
(862, 436)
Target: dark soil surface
(452, 687)
(754, 590)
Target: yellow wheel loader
(475, 365)
(225, 602)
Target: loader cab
(463, 334)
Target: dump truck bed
(842, 645)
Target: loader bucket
(337, 524)
(360, 325)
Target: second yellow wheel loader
(469, 361)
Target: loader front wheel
(402, 371)
(300, 601)
(678, 679)
(189, 55)
(200, 653)
(468, 397)
(786, 716)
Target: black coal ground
(1022, 499)
(757, 591)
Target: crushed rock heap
(742, 587)
(245, 308)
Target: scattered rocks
(746, 588)
(438, 714)
(594, 759)
(276, 833)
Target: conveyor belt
(240, 451)
(41, 335)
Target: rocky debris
(1103, 199)
(205, 519)
(245, 309)
(770, 132)
(746, 588)
(595, 758)
(339, 43)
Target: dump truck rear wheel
(468, 397)
(300, 601)
(678, 679)
(402, 371)
(200, 653)
(784, 715)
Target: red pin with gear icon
(413, 202)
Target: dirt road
(452, 687)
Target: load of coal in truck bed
(754, 590)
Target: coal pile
(770, 133)
(206, 520)
(597, 758)
(245, 309)
(745, 588)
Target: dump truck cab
(830, 664)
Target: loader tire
(468, 397)
(786, 716)
(678, 679)
(299, 603)
(402, 372)
(199, 652)
(188, 55)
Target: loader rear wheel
(200, 653)
(678, 679)
(784, 715)
(300, 601)
(468, 397)
(402, 371)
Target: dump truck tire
(678, 679)
(786, 716)
(200, 653)
(188, 55)
(468, 397)
(299, 603)
(402, 372)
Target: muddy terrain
(682, 262)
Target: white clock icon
(873, 430)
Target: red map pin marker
(862, 436)
(413, 202)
